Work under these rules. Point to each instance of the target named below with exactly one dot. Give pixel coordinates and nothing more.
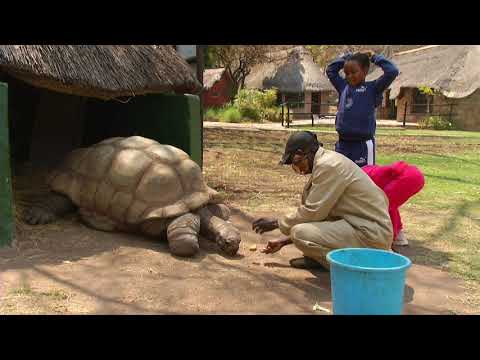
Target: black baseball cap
(301, 140)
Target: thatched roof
(101, 71)
(290, 71)
(454, 70)
(211, 76)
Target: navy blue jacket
(356, 106)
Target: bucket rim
(407, 264)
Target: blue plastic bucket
(367, 281)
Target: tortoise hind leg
(182, 235)
(97, 221)
(48, 209)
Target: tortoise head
(229, 243)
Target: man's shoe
(401, 239)
(306, 263)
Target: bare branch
(238, 60)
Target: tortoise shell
(131, 180)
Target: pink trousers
(400, 181)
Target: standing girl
(355, 121)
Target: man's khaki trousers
(316, 239)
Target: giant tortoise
(135, 184)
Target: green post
(169, 119)
(166, 118)
(195, 128)
(6, 214)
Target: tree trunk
(242, 83)
(235, 88)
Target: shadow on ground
(106, 273)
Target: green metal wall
(6, 213)
(166, 118)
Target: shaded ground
(67, 268)
(76, 270)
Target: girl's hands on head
(369, 53)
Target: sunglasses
(299, 162)
(298, 156)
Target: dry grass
(442, 221)
(245, 168)
(25, 300)
(28, 186)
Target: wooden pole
(200, 68)
(6, 199)
(405, 114)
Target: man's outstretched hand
(274, 245)
(264, 225)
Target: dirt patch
(76, 270)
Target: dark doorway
(392, 110)
(316, 101)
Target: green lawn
(450, 179)
(451, 201)
(402, 132)
(446, 214)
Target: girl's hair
(362, 59)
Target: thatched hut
(59, 97)
(453, 71)
(98, 71)
(298, 79)
(217, 87)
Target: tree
(323, 54)
(238, 60)
(210, 60)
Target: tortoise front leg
(222, 232)
(49, 209)
(182, 235)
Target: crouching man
(341, 206)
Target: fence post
(282, 113)
(288, 115)
(405, 114)
(450, 114)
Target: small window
(279, 98)
(295, 100)
(421, 102)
